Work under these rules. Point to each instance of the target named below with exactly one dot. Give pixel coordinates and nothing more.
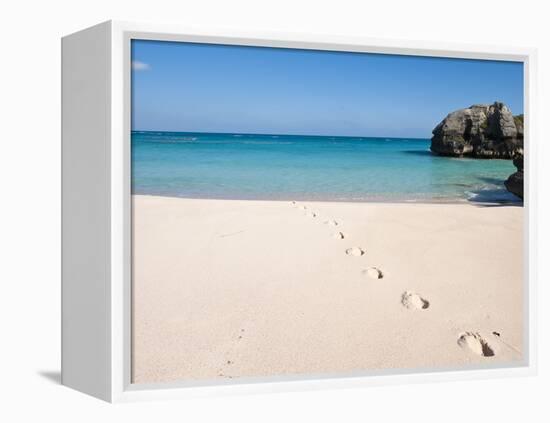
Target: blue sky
(214, 88)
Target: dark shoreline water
(472, 202)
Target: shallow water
(245, 166)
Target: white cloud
(140, 66)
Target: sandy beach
(227, 288)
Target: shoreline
(511, 203)
(233, 288)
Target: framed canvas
(265, 212)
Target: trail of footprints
(473, 342)
(225, 369)
(470, 341)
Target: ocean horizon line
(147, 131)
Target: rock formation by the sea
(514, 183)
(481, 130)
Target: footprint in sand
(331, 223)
(474, 342)
(303, 208)
(222, 372)
(241, 335)
(311, 214)
(338, 235)
(373, 273)
(355, 251)
(412, 300)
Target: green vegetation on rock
(518, 120)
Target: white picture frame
(96, 228)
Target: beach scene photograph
(307, 213)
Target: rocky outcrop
(482, 130)
(514, 183)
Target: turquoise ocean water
(246, 166)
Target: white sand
(258, 288)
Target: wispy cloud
(140, 66)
